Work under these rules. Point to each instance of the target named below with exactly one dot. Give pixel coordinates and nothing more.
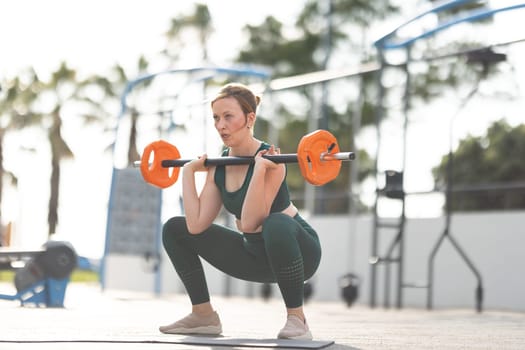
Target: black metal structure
(394, 253)
(394, 179)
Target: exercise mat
(195, 340)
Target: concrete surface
(92, 319)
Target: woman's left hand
(266, 163)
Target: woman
(273, 242)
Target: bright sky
(93, 35)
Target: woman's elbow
(194, 229)
(250, 226)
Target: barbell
(318, 156)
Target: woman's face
(230, 121)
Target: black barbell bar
(276, 158)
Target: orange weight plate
(309, 152)
(152, 170)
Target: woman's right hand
(197, 164)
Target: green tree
(199, 22)
(320, 28)
(485, 168)
(445, 64)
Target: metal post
(448, 214)
(375, 238)
(406, 109)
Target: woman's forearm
(255, 207)
(190, 198)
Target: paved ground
(130, 321)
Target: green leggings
(287, 251)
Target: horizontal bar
(416, 285)
(277, 158)
(9, 254)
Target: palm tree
(113, 89)
(37, 102)
(19, 93)
(199, 20)
(62, 88)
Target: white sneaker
(195, 324)
(295, 328)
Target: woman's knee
(275, 222)
(173, 228)
(278, 230)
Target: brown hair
(246, 98)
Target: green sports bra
(233, 200)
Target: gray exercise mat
(198, 340)
(255, 343)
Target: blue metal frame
(263, 74)
(438, 8)
(472, 16)
(48, 292)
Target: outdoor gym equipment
(45, 273)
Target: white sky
(93, 35)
